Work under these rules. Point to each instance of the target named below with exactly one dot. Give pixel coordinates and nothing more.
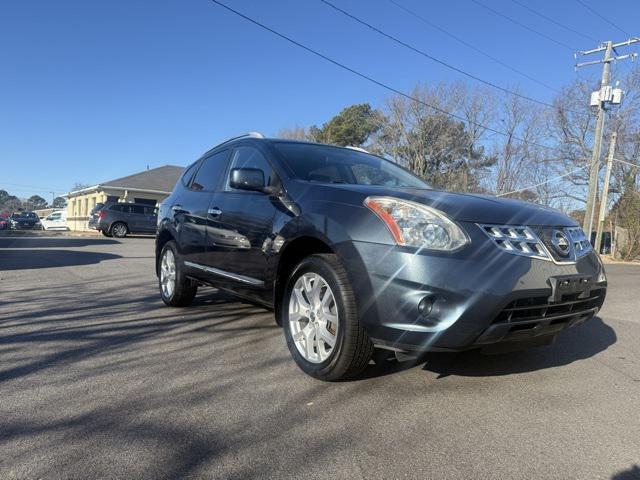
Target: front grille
(518, 240)
(581, 245)
(530, 317)
(537, 242)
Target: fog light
(425, 306)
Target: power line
(470, 45)
(554, 179)
(603, 18)
(626, 163)
(555, 22)
(437, 60)
(522, 25)
(379, 83)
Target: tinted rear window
(326, 164)
(25, 215)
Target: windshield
(326, 164)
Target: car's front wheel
(320, 320)
(176, 289)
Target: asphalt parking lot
(99, 380)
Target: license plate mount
(569, 284)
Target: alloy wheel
(313, 317)
(168, 273)
(119, 230)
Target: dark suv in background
(119, 219)
(24, 221)
(354, 252)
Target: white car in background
(55, 221)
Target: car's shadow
(53, 242)
(27, 260)
(575, 344)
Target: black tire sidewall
(323, 370)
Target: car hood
(473, 208)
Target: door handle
(214, 211)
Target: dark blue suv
(353, 252)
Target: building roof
(161, 179)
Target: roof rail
(244, 135)
(359, 149)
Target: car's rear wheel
(320, 319)
(119, 230)
(176, 289)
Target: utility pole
(600, 99)
(605, 191)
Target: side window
(116, 208)
(186, 176)
(139, 209)
(54, 216)
(250, 157)
(149, 210)
(209, 173)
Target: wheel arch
(292, 254)
(162, 239)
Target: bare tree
(294, 133)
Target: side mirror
(247, 179)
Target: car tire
(308, 317)
(176, 289)
(119, 230)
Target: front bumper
(479, 295)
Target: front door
(191, 210)
(240, 225)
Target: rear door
(137, 218)
(240, 225)
(150, 219)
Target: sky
(91, 91)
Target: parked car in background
(119, 219)
(55, 221)
(24, 221)
(4, 223)
(354, 252)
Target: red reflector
(101, 214)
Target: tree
(351, 127)
(9, 203)
(295, 133)
(58, 202)
(433, 145)
(35, 202)
(628, 213)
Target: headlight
(417, 225)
